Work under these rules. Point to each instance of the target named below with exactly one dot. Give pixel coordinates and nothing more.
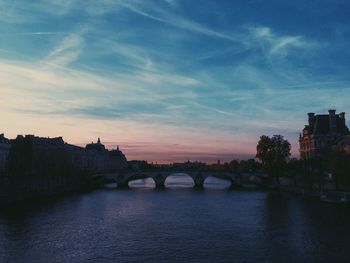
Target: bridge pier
(198, 181)
(123, 185)
(235, 182)
(159, 181)
(122, 181)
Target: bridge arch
(123, 180)
(134, 178)
(179, 179)
(215, 182)
(161, 179)
(157, 179)
(147, 182)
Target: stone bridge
(123, 178)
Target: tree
(273, 153)
(294, 169)
(339, 166)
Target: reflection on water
(181, 181)
(178, 181)
(142, 183)
(177, 224)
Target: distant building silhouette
(96, 146)
(32, 166)
(94, 157)
(323, 132)
(4, 151)
(101, 159)
(188, 165)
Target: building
(323, 132)
(92, 158)
(40, 166)
(189, 165)
(5, 146)
(102, 160)
(137, 165)
(344, 144)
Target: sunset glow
(171, 80)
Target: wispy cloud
(156, 13)
(41, 33)
(172, 2)
(68, 49)
(279, 45)
(161, 73)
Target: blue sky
(172, 80)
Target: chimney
(332, 122)
(311, 119)
(342, 119)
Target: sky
(172, 80)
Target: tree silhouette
(339, 165)
(273, 153)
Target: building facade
(5, 146)
(99, 159)
(32, 166)
(92, 158)
(323, 132)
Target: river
(177, 224)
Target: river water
(177, 224)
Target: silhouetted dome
(96, 146)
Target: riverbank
(22, 189)
(324, 195)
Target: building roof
(322, 125)
(117, 154)
(74, 147)
(56, 141)
(96, 146)
(3, 139)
